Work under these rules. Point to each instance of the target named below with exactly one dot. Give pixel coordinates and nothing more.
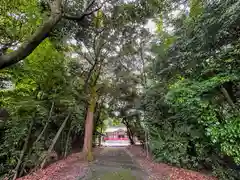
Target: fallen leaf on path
(161, 171)
(66, 169)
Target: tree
(57, 12)
(105, 37)
(191, 102)
(45, 85)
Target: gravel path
(114, 163)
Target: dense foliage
(192, 106)
(43, 93)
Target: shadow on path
(114, 163)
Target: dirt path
(115, 164)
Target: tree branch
(90, 54)
(87, 59)
(89, 75)
(42, 33)
(80, 17)
(89, 5)
(85, 12)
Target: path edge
(136, 161)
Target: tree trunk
(227, 96)
(54, 141)
(129, 131)
(96, 120)
(130, 136)
(45, 127)
(87, 146)
(88, 135)
(146, 143)
(23, 150)
(67, 141)
(100, 138)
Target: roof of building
(116, 128)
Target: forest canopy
(68, 66)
